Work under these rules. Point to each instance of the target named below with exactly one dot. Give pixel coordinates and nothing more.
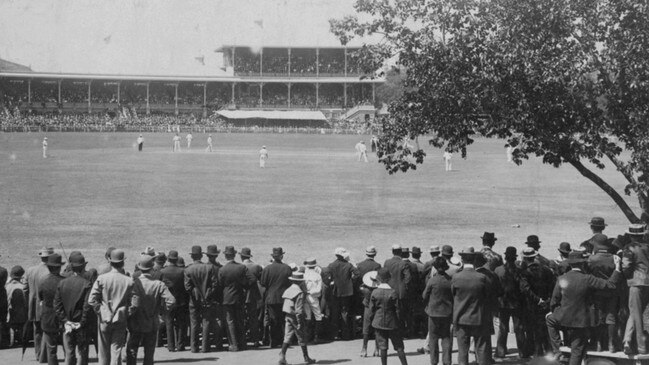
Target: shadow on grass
(333, 361)
(184, 360)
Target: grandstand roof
(7, 66)
(273, 114)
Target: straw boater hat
(369, 279)
(637, 229)
(45, 252)
(529, 252)
(297, 276)
(310, 263)
(434, 249)
(370, 251)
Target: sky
(156, 37)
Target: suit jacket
(17, 301)
(34, 276)
(71, 300)
(343, 273)
(470, 297)
(366, 266)
(571, 295)
(493, 259)
(174, 277)
(201, 282)
(383, 306)
(4, 305)
(400, 275)
(559, 266)
(253, 293)
(541, 282)
(509, 276)
(234, 279)
(46, 293)
(274, 278)
(110, 297)
(635, 264)
(438, 296)
(150, 296)
(416, 285)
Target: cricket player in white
(447, 159)
(358, 150)
(189, 140)
(362, 150)
(140, 143)
(209, 143)
(263, 156)
(510, 154)
(44, 147)
(176, 141)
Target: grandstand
(298, 80)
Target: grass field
(96, 190)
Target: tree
(564, 80)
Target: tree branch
(629, 177)
(621, 203)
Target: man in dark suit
(570, 305)
(176, 319)
(33, 277)
(4, 309)
(559, 265)
(275, 278)
(413, 302)
(428, 266)
(495, 292)
(201, 281)
(74, 312)
(368, 264)
(493, 259)
(49, 321)
(470, 306)
(399, 279)
(533, 242)
(212, 252)
(541, 281)
(512, 305)
(454, 265)
(343, 275)
(254, 300)
(597, 225)
(438, 298)
(234, 278)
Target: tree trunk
(617, 198)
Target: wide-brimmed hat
(310, 263)
(45, 251)
(447, 250)
(245, 252)
(108, 252)
(529, 252)
(76, 259)
(369, 279)
(637, 229)
(489, 237)
(469, 251)
(297, 276)
(17, 272)
(370, 251)
(148, 251)
(229, 250)
(196, 250)
(510, 252)
(416, 250)
(277, 251)
(564, 247)
(117, 256)
(212, 250)
(597, 222)
(173, 255)
(145, 263)
(533, 241)
(575, 257)
(434, 249)
(55, 260)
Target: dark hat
(55, 260)
(447, 250)
(145, 263)
(529, 252)
(277, 251)
(17, 272)
(46, 252)
(383, 274)
(621, 241)
(440, 263)
(245, 252)
(76, 259)
(510, 252)
(297, 276)
(637, 229)
(564, 247)
(117, 256)
(575, 257)
(212, 250)
(197, 250)
(416, 250)
(229, 250)
(434, 249)
(310, 263)
(533, 241)
(600, 242)
(181, 262)
(597, 222)
(109, 250)
(489, 237)
(160, 257)
(173, 255)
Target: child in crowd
(370, 282)
(383, 306)
(294, 307)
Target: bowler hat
(76, 259)
(370, 251)
(529, 252)
(600, 242)
(229, 250)
(17, 272)
(245, 252)
(45, 252)
(108, 252)
(117, 256)
(564, 247)
(369, 279)
(148, 251)
(310, 263)
(597, 222)
(510, 252)
(533, 241)
(212, 250)
(197, 250)
(416, 250)
(55, 260)
(181, 262)
(297, 276)
(434, 249)
(575, 257)
(145, 263)
(277, 251)
(489, 237)
(447, 250)
(637, 229)
(173, 255)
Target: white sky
(155, 37)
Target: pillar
(289, 70)
(119, 99)
(176, 99)
(59, 85)
(261, 94)
(317, 95)
(148, 106)
(373, 93)
(29, 92)
(345, 62)
(232, 59)
(233, 86)
(345, 93)
(205, 100)
(317, 63)
(89, 97)
(289, 93)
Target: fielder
(189, 140)
(263, 156)
(362, 151)
(140, 143)
(176, 140)
(209, 144)
(44, 147)
(447, 159)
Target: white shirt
(44, 143)
(140, 140)
(209, 140)
(362, 148)
(189, 137)
(176, 138)
(358, 147)
(263, 153)
(447, 155)
(313, 282)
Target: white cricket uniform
(363, 152)
(263, 156)
(209, 144)
(176, 144)
(358, 150)
(510, 154)
(44, 148)
(140, 143)
(313, 283)
(447, 160)
(189, 140)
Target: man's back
(46, 294)
(73, 292)
(274, 278)
(174, 277)
(342, 273)
(469, 297)
(253, 294)
(399, 275)
(111, 293)
(201, 280)
(366, 266)
(34, 276)
(233, 278)
(149, 296)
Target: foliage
(563, 80)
